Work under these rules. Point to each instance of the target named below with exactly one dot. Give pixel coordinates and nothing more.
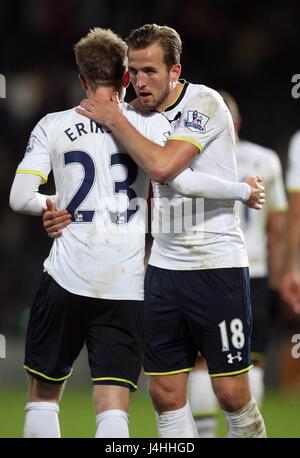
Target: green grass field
(281, 413)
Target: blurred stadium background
(250, 49)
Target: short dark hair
(101, 57)
(167, 37)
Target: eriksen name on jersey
(85, 128)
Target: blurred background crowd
(250, 49)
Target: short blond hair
(101, 57)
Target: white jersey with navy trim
(256, 160)
(213, 239)
(293, 169)
(101, 253)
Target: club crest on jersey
(78, 217)
(30, 145)
(196, 121)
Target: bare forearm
(145, 153)
(161, 162)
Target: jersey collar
(180, 96)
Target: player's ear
(126, 80)
(83, 82)
(175, 72)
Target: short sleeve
(159, 129)
(203, 118)
(37, 160)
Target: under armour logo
(232, 358)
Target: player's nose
(140, 80)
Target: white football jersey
(256, 160)
(210, 236)
(101, 253)
(293, 170)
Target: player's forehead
(151, 56)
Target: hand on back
(257, 196)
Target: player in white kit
(264, 237)
(92, 285)
(196, 287)
(291, 281)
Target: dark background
(251, 49)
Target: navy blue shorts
(201, 310)
(61, 323)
